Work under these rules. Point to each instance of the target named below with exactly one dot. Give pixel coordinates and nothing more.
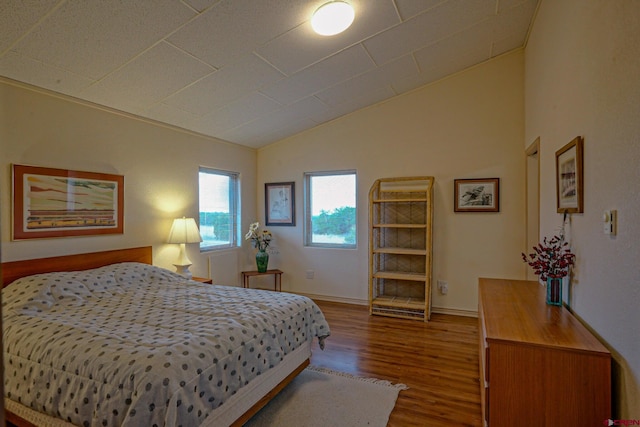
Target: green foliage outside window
(339, 222)
(216, 223)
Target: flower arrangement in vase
(551, 261)
(260, 241)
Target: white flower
(251, 234)
(261, 240)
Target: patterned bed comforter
(136, 345)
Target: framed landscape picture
(51, 202)
(477, 195)
(569, 177)
(279, 201)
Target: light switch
(609, 222)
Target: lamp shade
(184, 230)
(332, 18)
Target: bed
(108, 339)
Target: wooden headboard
(16, 269)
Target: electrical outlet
(609, 219)
(443, 287)
(310, 274)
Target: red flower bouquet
(551, 258)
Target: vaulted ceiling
(248, 71)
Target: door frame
(532, 199)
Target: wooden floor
(438, 360)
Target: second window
(330, 209)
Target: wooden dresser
(539, 366)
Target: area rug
(321, 397)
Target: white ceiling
(248, 71)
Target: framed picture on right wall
(569, 177)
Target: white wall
(583, 78)
(467, 126)
(159, 164)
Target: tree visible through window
(330, 209)
(218, 195)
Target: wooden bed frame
(16, 269)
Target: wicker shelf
(404, 307)
(400, 240)
(400, 225)
(401, 251)
(399, 275)
(399, 200)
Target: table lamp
(184, 230)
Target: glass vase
(554, 291)
(262, 261)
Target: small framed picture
(569, 177)
(279, 203)
(477, 195)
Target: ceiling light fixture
(332, 18)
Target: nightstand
(277, 278)
(203, 280)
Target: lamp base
(183, 263)
(183, 270)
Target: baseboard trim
(454, 312)
(354, 301)
(438, 310)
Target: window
(218, 195)
(330, 209)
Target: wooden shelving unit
(400, 242)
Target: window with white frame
(330, 209)
(218, 196)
